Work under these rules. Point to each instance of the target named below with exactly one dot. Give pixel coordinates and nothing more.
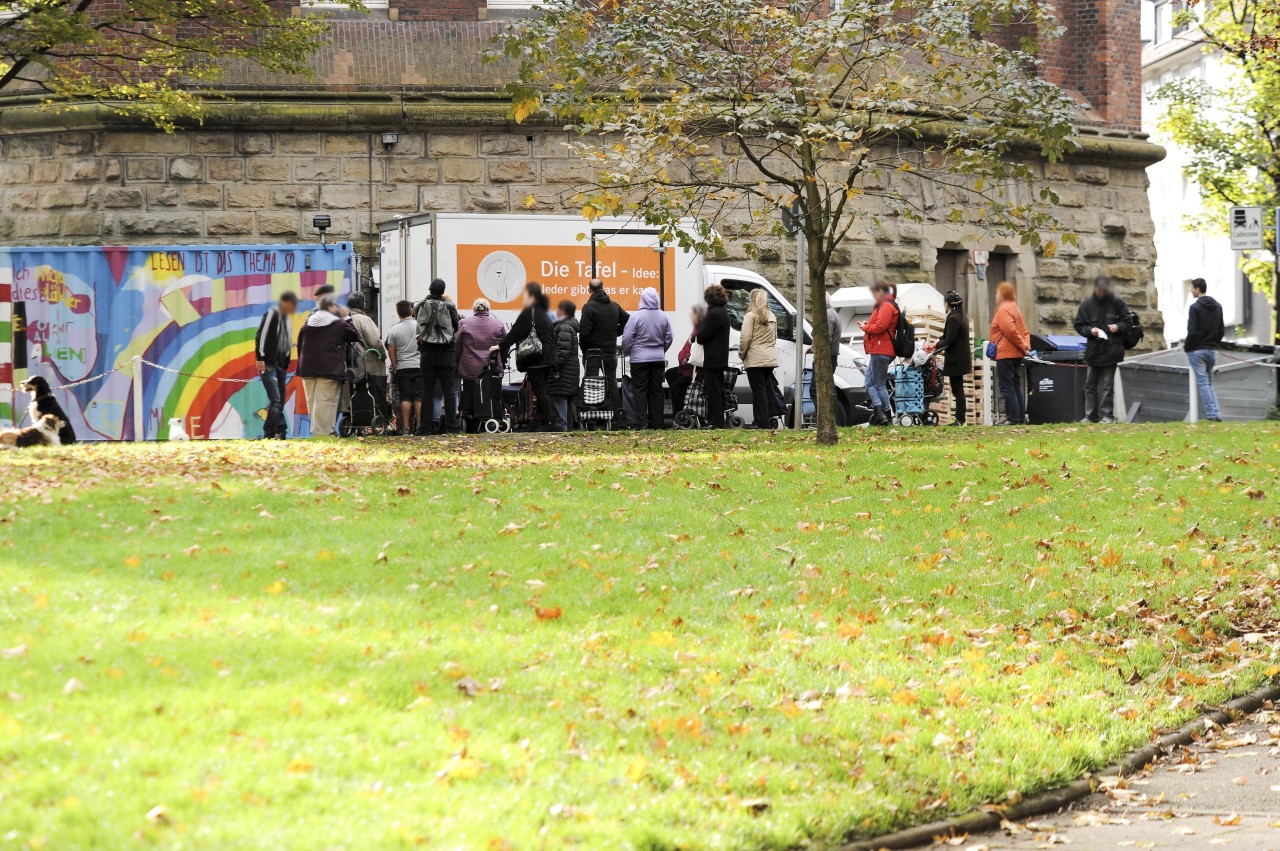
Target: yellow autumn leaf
(276, 587)
(132, 561)
(906, 697)
(299, 765)
(637, 768)
(458, 767)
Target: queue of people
(432, 352)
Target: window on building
(514, 4)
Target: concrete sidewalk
(1222, 792)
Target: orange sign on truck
(499, 273)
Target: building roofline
(357, 111)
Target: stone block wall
(264, 186)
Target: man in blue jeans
(273, 350)
(1204, 333)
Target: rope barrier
(85, 380)
(201, 377)
(71, 384)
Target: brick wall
(439, 44)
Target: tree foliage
(727, 111)
(150, 58)
(1230, 131)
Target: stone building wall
(264, 186)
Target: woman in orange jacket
(1013, 343)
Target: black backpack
(904, 336)
(1133, 336)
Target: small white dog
(177, 431)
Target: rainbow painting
(189, 312)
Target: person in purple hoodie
(645, 341)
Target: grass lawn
(685, 641)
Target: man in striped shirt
(273, 350)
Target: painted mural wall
(191, 312)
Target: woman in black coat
(713, 334)
(957, 353)
(535, 319)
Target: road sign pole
(1275, 284)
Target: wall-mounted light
(389, 141)
(321, 223)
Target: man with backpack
(1107, 323)
(601, 324)
(437, 327)
(1205, 331)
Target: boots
(879, 417)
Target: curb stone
(981, 821)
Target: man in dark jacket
(563, 385)
(1103, 319)
(322, 362)
(600, 327)
(957, 353)
(1204, 334)
(273, 350)
(437, 327)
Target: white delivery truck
(494, 255)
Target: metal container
(1156, 386)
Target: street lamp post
(793, 221)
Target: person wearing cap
(957, 353)
(322, 362)
(437, 330)
(477, 334)
(1103, 319)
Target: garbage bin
(1055, 390)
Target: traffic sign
(1246, 228)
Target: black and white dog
(44, 402)
(43, 433)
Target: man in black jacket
(273, 350)
(599, 327)
(1204, 333)
(1103, 319)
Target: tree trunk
(823, 345)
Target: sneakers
(958, 424)
(1107, 420)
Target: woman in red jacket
(1013, 343)
(877, 342)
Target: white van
(494, 255)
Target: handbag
(991, 350)
(697, 355)
(529, 350)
